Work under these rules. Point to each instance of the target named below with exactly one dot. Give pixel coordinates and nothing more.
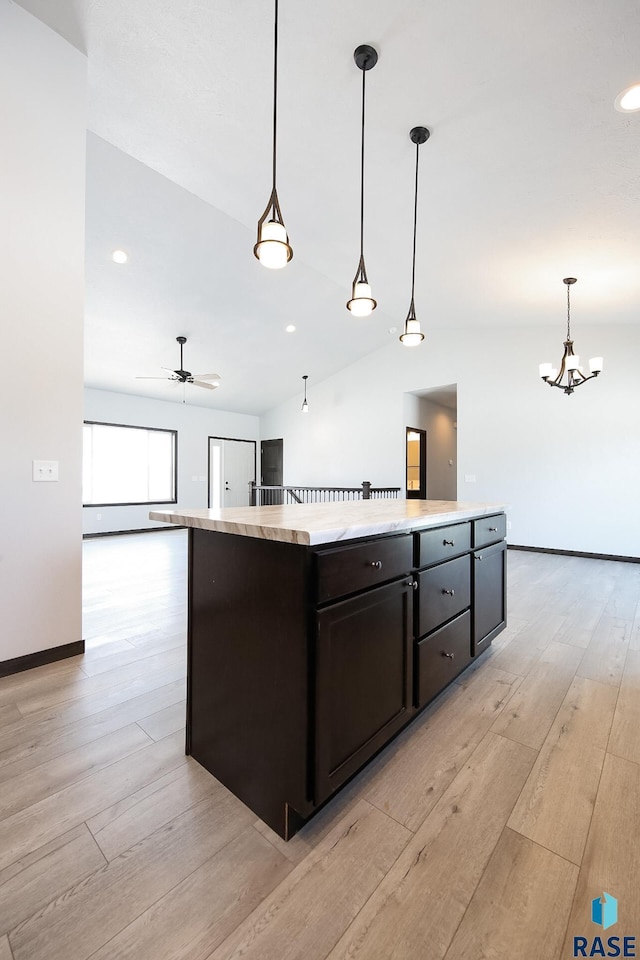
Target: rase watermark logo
(604, 913)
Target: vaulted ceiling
(530, 175)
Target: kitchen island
(318, 631)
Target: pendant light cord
(364, 74)
(275, 92)
(415, 227)
(568, 314)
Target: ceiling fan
(210, 381)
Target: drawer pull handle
(448, 543)
(493, 529)
(450, 593)
(376, 564)
(449, 656)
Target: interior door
(232, 466)
(271, 469)
(416, 444)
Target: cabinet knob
(414, 584)
(448, 543)
(376, 564)
(450, 593)
(478, 556)
(493, 529)
(449, 656)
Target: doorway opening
(232, 467)
(433, 415)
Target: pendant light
(272, 248)
(570, 363)
(305, 405)
(412, 334)
(362, 303)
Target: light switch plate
(469, 478)
(45, 471)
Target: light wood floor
(484, 831)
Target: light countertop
(314, 523)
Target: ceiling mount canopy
(272, 247)
(362, 303)
(412, 334)
(570, 363)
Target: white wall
(439, 422)
(194, 426)
(567, 465)
(42, 176)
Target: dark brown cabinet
(489, 594)
(362, 680)
(304, 661)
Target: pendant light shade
(362, 303)
(570, 363)
(412, 334)
(305, 405)
(272, 247)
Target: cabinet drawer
(443, 543)
(345, 570)
(489, 530)
(441, 657)
(444, 591)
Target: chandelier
(570, 363)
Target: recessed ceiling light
(629, 99)
(119, 256)
(393, 329)
(290, 328)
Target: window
(127, 465)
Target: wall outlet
(469, 478)
(45, 471)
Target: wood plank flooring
(483, 831)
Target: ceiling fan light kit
(210, 381)
(570, 363)
(272, 247)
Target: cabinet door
(489, 594)
(363, 680)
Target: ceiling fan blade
(207, 376)
(203, 383)
(153, 378)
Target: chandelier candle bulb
(595, 365)
(545, 370)
(573, 362)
